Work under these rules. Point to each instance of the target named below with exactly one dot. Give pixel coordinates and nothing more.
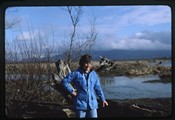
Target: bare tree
(31, 77)
(9, 22)
(90, 38)
(75, 14)
(77, 47)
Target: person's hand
(74, 94)
(105, 103)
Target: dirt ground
(137, 108)
(159, 107)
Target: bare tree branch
(9, 24)
(75, 14)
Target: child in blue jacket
(87, 85)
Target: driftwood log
(62, 69)
(105, 64)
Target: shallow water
(122, 87)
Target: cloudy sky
(118, 27)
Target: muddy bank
(138, 68)
(159, 107)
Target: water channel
(122, 87)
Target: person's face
(87, 66)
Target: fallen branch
(145, 109)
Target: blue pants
(86, 113)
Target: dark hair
(85, 59)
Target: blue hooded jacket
(86, 89)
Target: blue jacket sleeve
(66, 82)
(98, 89)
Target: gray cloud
(162, 36)
(145, 40)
